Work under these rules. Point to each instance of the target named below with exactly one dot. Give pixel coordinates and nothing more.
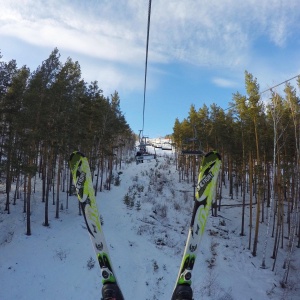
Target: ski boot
(182, 292)
(111, 291)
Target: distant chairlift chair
(142, 153)
(190, 146)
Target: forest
(46, 115)
(50, 112)
(259, 140)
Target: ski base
(182, 292)
(111, 291)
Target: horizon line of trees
(47, 114)
(260, 146)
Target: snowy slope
(146, 236)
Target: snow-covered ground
(146, 232)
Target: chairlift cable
(269, 89)
(140, 157)
(146, 63)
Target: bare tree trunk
(25, 193)
(276, 245)
(251, 198)
(28, 211)
(120, 158)
(298, 245)
(244, 199)
(53, 167)
(263, 195)
(279, 227)
(271, 193)
(58, 185)
(259, 194)
(46, 222)
(63, 181)
(230, 174)
(102, 172)
(8, 178)
(69, 185)
(16, 194)
(44, 174)
(97, 175)
(48, 181)
(221, 181)
(79, 208)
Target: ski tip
(74, 153)
(213, 153)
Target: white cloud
(200, 32)
(222, 82)
(111, 78)
(209, 33)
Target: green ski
(81, 174)
(206, 188)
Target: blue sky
(198, 49)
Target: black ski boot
(183, 292)
(110, 291)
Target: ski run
(146, 220)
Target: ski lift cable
(269, 89)
(199, 152)
(146, 63)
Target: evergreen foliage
(258, 139)
(47, 114)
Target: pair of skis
(206, 187)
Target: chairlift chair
(192, 146)
(142, 153)
(166, 146)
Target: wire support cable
(146, 63)
(269, 89)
